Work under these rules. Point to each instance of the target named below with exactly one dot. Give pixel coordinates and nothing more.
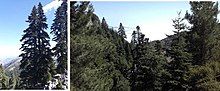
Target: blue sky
(12, 23)
(154, 18)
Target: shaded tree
(121, 31)
(37, 66)
(180, 58)
(59, 29)
(204, 23)
(91, 72)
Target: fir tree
(204, 23)
(105, 27)
(157, 64)
(148, 67)
(134, 38)
(121, 31)
(59, 29)
(138, 51)
(37, 66)
(73, 13)
(204, 45)
(80, 16)
(90, 72)
(104, 24)
(180, 58)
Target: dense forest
(103, 60)
(41, 67)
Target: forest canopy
(103, 60)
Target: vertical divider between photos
(68, 42)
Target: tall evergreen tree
(148, 67)
(105, 27)
(180, 58)
(59, 29)
(204, 45)
(157, 67)
(104, 24)
(80, 16)
(134, 38)
(121, 31)
(138, 51)
(204, 23)
(135, 42)
(37, 66)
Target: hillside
(102, 60)
(12, 67)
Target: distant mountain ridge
(12, 61)
(166, 42)
(7, 60)
(11, 67)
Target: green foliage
(80, 16)
(180, 62)
(3, 79)
(93, 68)
(59, 29)
(37, 64)
(102, 60)
(204, 45)
(205, 78)
(203, 38)
(95, 61)
(104, 24)
(148, 71)
(204, 23)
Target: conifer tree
(3, 79)
(104, 24)
(157, 64)
(37, 66)
(180, 58)
(204, 45)
(148, 68)
(91, 72)
(72, 13)
(121, 31)
(138, 51)
(135, 42)
(204, 23)
(134, 38)
(11, 82)
(80, 16)
(105, 27)
(59, 29)
(158, 47)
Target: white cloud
(52, 5)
